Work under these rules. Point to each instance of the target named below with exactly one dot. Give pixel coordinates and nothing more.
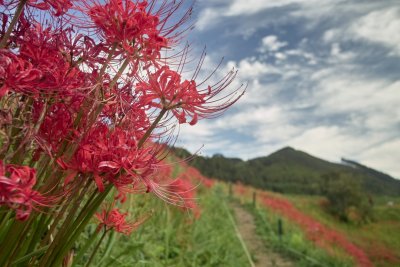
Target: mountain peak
(286, 149)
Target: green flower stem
(4, 217)
(83, 250)
(110, 243)
(30, 255)
(21, 243)
(79, 228)
(120, 71)
(40, 231)
(12, 237)
(15, 131)
(14, 21)
(54, 224)
(100, 107)
(63, 232)
(108, 60)
(152, 127)
(95, 249)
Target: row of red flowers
(315, 231)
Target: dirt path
(263, 257)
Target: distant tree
(346, 199)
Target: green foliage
(346, 198)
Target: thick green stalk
(12, 237)
(78, 229)
(63, 232)
(5, 226)
(22, 242)
(54, 224)
(39, 229)
(15, 133)
(4, 217)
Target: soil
(262, 256)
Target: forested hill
(291, 171)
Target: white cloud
(249, 7)
(381, 26)
(338, 55)
(206, 17)
(332, 143)
(339, 90)
(325, 141)
(271, 43)
(382, 157)
(250, 68)
(378, 26)
(252, 116)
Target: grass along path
(263, 257)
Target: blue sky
(323, 77)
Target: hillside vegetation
(292, 171)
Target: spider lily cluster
(88, 102)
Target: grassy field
(308, 235)
(172, 237)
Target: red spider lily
(57, 124)
(125, 110)
(42, 66)
(179, 192)
(166, 90)
(208, 182)
(106, 153)
(59, 7)
(51, 51)
(115, 220)
(139, 28)
(17, 74)
(129, 25)
(16, 190)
